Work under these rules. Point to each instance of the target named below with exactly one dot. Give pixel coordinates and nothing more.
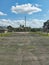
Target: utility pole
(25, 21)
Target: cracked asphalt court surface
(24, 49)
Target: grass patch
(43, 34)
(34, 32)
(40, 33)
(5, 34)
(31, 47)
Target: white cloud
(35, 23)
(38, 5)
(25, 8)
(1, 13)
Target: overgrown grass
(40, 33)
(5, 34)
(44, 34)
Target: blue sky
(13, 12)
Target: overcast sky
(13, 12)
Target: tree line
(22, 28)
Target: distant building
(3, 30)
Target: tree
(10, 28)
(21, 26)
(46, 26)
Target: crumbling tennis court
(24, 49)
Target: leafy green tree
(46, 26)
(10, 28)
